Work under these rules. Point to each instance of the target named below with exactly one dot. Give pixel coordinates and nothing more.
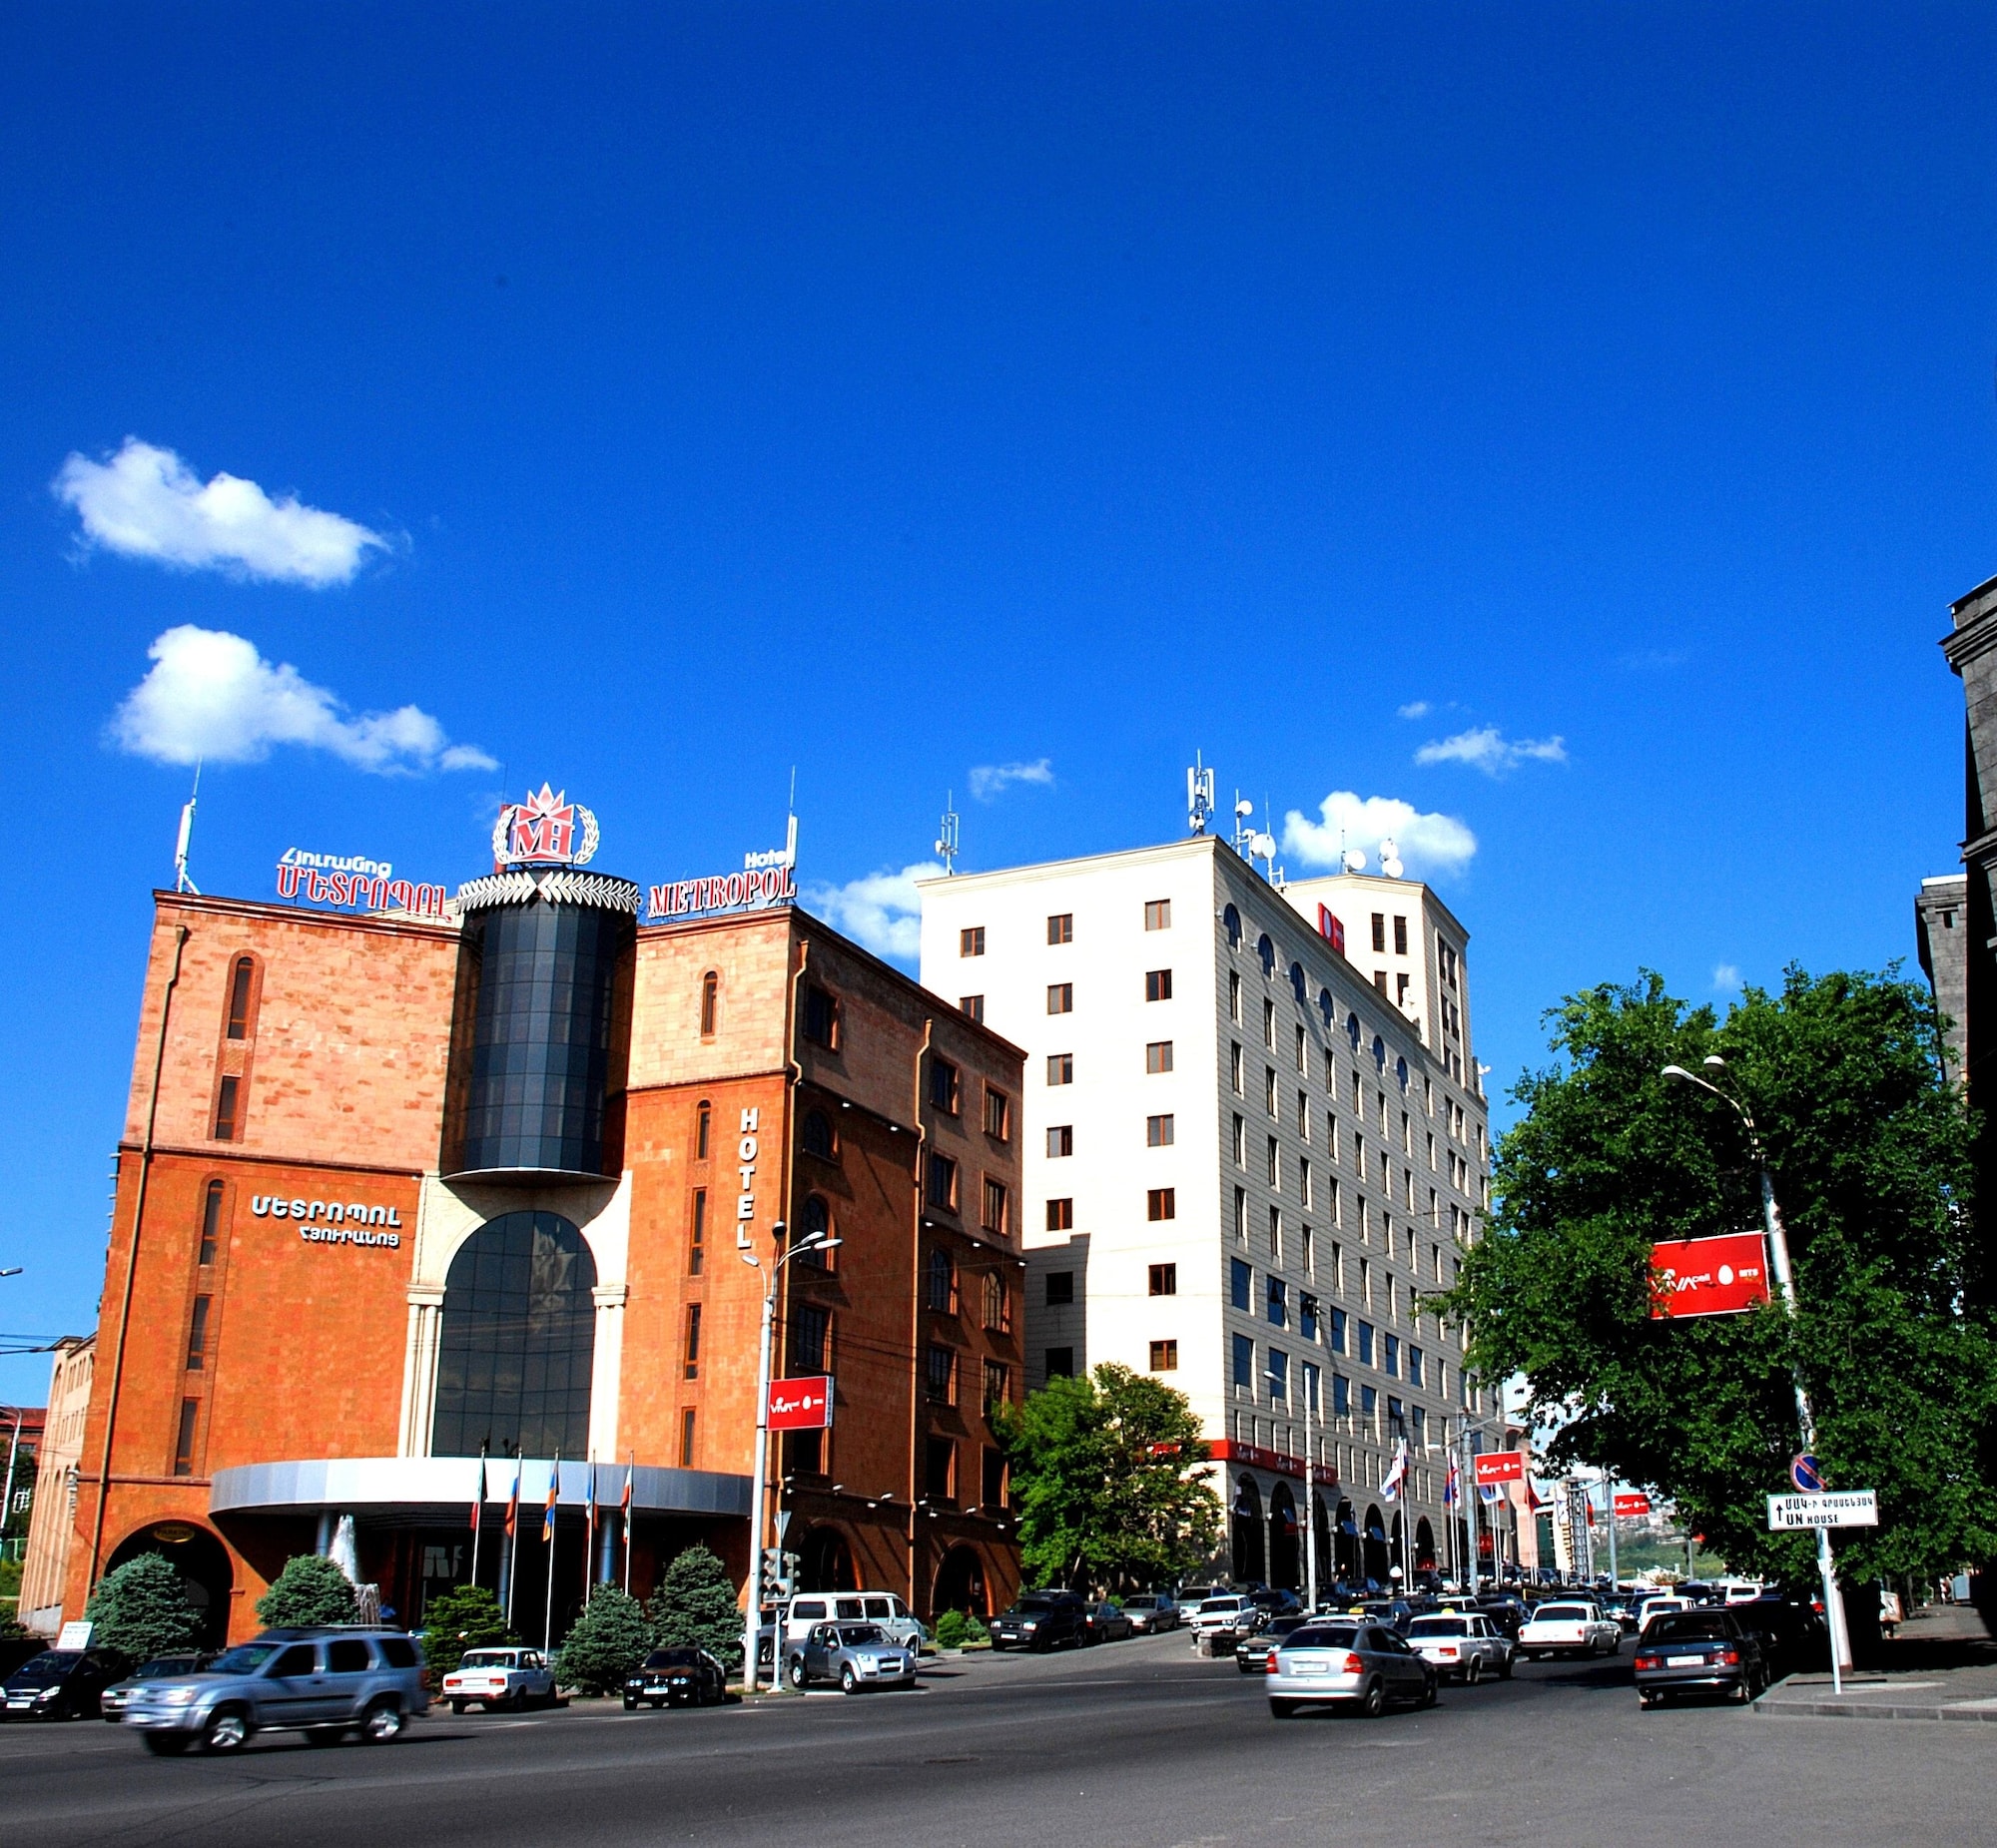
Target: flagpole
(589, 1550)
(629, 1469)
(513, 1543)
(477, 1513)
(555, 1496)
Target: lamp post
(752, 1620)
(1310, 1489)
(1778, 1254)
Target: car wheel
(1373, 1701)
(1615, 1646)
(457, 1706)
(167, 1744)
(1504, 1668)
(798, 1677)
(848, 1682)
(325, 1735)
(1427, 1699)
(383, 1723)
(1472, 1672)
(630, 1703)
(228, 1730)
(1282, 1710)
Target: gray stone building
(1941, 935)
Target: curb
(1852, 1709)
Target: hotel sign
(767, 879)
(353, 878)
(548, 830)
(334, 1222)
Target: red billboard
(1629, 1504)
(1708, 1276)
(801, 1405)
(1500, 1467)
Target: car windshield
(245, 1659)
(1321, 1636)
(1224, 1603)
(1562, 1613)
(861, 1632)
(1140, 1604)
(163, 1665)
(673, 1658)
(1437, 1626)
(1282, 1626)
(1031, 1607)
(50, 1665)
(1684, 1625)
(487, 1659)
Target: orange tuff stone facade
(287, 1260)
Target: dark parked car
(62, 1683)
(1507, 1615)
(678, 1678)
(1042, 1621)
(1109, 1622)
(1277, 1603)
(1792, 1636)
(111, 1703)
(1700, 1652)
(1251, 1653)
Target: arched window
(703, 1126)
(1325, 1007)
(1266, 950)
(1297, 987)
(518, 1342)
(1231, 919)
(1401, 1071)
(242, 980)
(210, 1222)
(1353, 1029)
(942, 1281)
(1379, 1054)
(816, 1135)
(815, 1222)
(710, 1001)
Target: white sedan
(1461, 1643)
(500, 1678)
(1574, 1628)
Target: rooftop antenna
(945, 847)
(1199, 795)
(1243, 834)
(790, 832)
(1390, 860)
(182, 882)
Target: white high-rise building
(1253, 1138)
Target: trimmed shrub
(465, 1617)
(142, 1609)
(609, 1639)
(309, 1590)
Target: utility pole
(7, 1500)
(1608, 1497)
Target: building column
(606, 1379)
(419, 1365)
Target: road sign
(1844, 1507)
(1708, 1276)
(801, 1405)
(1805, 1474)
(1500, 1467)
(1629, 1504)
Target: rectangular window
(1380, 930)
(1279, 1374)
(1304, 1115)
(1304, 1181)
(686, 1438)
(1159, 1055)
(811, 1331)
(1060, 998)
(1164, 1356)
(821, 1017)
(942, 1286)
(1158, 984)
(1269, 1025)
(1312, 1393)
(1060, 1215)
(1158, 915)
(697, 1237)
(1304, 1254)
(1242, 1215)
(1164, 1279)
(1401, 989)
(211, 1223)
(1234, 998)
(197, 1353)
(1060, 1139)
(1269, 1094)
(1307, 1315)
(972, 1007)
(996, 1217)
(1390, 1355)
(1400, 937)
(1396, 1418)
(1302, 1056)
(1060, 1289)
(942, 1085)
(939, 1469)
(1366, 1343)
(691, 1365)
(1060, 1363)
(184, 1439)
(804, 1452)
(1162, 1203)
(1418, 1419)
(970, 942)
(1241, 1280)
(994, 1478)
(942, 1182)
(1060, 927)
(998, 1115)
(1275, 1164)
(1240, 1143)
(1341, 1396)
(1369, 1402)
(1244, 1365)
(1277, 1307)
(1275, 1235)
(1158, 1132)
(1414, 1365)
(1234, 1071)
(997, 1386)
(939, 1377)
(226, 1109)
(1336, 1321)
(1060, 1067)
(1380, 979)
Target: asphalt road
(1134, 1743)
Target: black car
(1699, 1652)
(1042, 1620)
(62, 1683)
(676, 1678)
(1251, 1653)
(1506, 1614)
(1793, 1636)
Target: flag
(624, 1506)
(479, 1499)
(589, 1564)
(1452, 1487)
(555, 1489)
(1396, 1472)
(513, 1503)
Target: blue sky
(894, 392)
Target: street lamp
(753, 1617)
(1778, 1250)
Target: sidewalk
(1942, 1665)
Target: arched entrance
(202, 1562)
(1397, 1547)
(518, 1342)
(1321, 1540)
(825, 1563)
(1249, 1561)
(1425, 1545)
(1345, 1544)
(1373, 1550)
(959, 1584)
(1285, 1553)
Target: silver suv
(325, 1683)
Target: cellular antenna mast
(180, 881)
(945, 847)
(1199, 795)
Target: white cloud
(1488, 750)
(1414, 709)
(1727, 979)
(989, 781)
(882, 911)
(147, 503)
(210, 694)
(1433, 842)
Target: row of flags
(555, 1496)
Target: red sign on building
(801, 1405)
(1629, 1504)
(1500, 1467)
(1708, 1276)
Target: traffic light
(779, 1574)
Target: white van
(879, 1607)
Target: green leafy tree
(1868, 1146)
(142, 1609)
(1104, 1471)
(609, 1639)
(468, 1616)
(695, 1606)
(311, 1590)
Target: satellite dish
(1263, 847)
(1355, 861)
(1388, 851)
(1392, 869)
(1245, 807)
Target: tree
(609, 1639)
(311, 1590)
(465, 1617)
(142, 1609)
(695, 1606)
(1868, 1146)
(1103, 1467)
